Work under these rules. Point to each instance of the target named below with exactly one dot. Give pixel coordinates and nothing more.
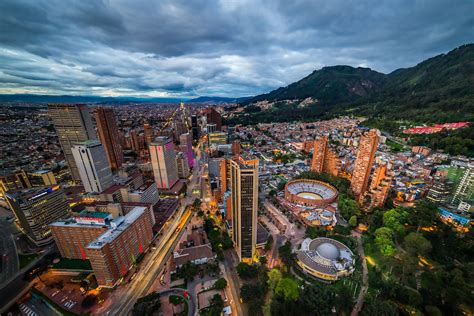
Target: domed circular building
(310, 192)
(325, 258)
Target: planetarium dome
(328, 251)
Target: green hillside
(436, 90)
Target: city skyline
(236, 158)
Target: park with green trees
(418, 265)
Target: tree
(314, 232)
(383, 239)
(247, 271)
(217, 302)
(353, 221)
(395, 220)
(220, 284)
(423, 214)
(416, 244)
(287, 288)
(263, 260)
(274, 276)
(379, 307)
(347, 206)
(285, 253)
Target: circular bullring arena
(310, 192)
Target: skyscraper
(109, 136)
(36, 208)
(73, 124)
(319, 152)
(195, 127)
(182, 164)
(213, 117)
(186, 145)
(163, 161)
(92, 165)
(148, 131)
(244, 195)
(324, 158)
(363, 164)
(380, 185)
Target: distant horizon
(191, 97)
(173, 49)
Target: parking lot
(63, 292)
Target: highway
(9, 264)
(123, 298)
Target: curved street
(365, 286)
(180, 292)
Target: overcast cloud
(224, 48)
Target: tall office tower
(214, 117)
(217, 138)
(136, 143)
(363, 164)
(163, 161)
(114, 252)
(244, 194)
(93, 166)
(320, 148)
(195, 127)
(148, 131)
(109, 136)
(182, 164)
(380, 185)
(73, 124)
(464, 191)
(186, 146)
(36, 208)
(179, 128)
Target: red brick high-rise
(320, 148)
(380, 185)
(363, 164)
(213, 117)
(324, 158)
(109, 136)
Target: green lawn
(26, 259)
(396, 147)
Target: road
(9, 261)
(363, 291)
(233, 281)
(123, 299)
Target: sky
(219, 48)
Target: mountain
(43, 98)
(329, 85)
(439, 89)
(207, 99)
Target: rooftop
(31, 193)
(123, 223)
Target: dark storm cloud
(205, 47)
